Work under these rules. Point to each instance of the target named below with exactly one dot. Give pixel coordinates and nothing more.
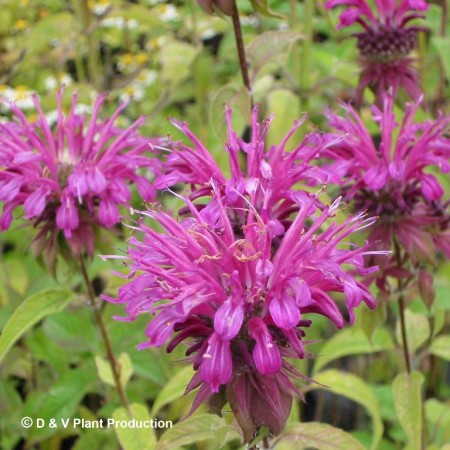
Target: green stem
(401, 307)
(241, 49)
(115, 366)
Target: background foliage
(172, 59)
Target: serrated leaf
(417, 330)
(354, 388)
(352, 342)
(30, 312)
(407, 391)
(195, 429)
(268, 47)
(441, 347)
(105, 373)
(315, 435)
(174, 389)
(135, 438)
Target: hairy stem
(241, 48)
(115, 368)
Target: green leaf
(63, 328)
(150, 365)
(438, 418)
(408, 404)
(236, 98)
(94, 438)
(15, 275)
(442, 45)
(135, 438)
(262, 6)
(352, 342)
(30, 312)
(268, 47)
(315, 435)
(173, 390)
(441, 347)
(195, 429)
(370, 320)
(60, 401)
(417, 330)
(61, 26)
(286, 112)
(105, 372)
(355, 389)
(176, 60)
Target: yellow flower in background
(141, 58)
(20, 25)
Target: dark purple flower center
(390, 202)
(386, 45)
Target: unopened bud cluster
(386, 45)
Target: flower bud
(224, 6)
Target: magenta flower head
(270, 180)
(71, 178)
(394, 179)
(385, 44)
(238, 291)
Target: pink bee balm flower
(385, 43)
(394, 179)
(71, 178)
(272, 179)
(240, 298)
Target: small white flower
(100, 7)
(251, 21)
(51, 83)
(52, 117)
(146, 78)
(82, 108)
(167, 13)
(208, 33)
(132, 92)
